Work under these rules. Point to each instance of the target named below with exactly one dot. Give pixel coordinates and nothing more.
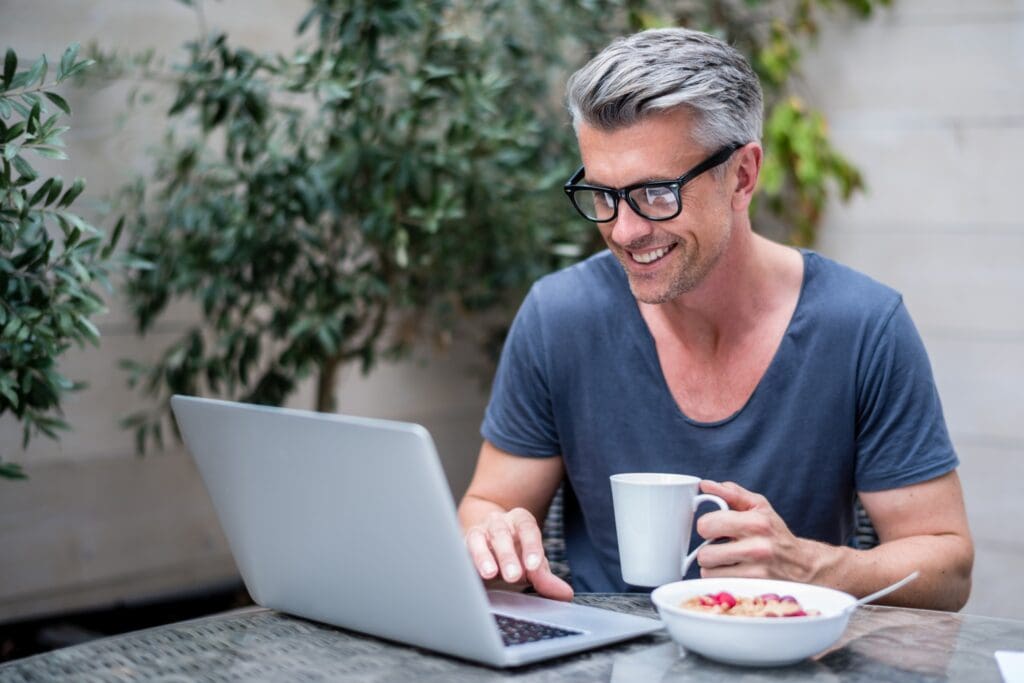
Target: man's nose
(628, 226)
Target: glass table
(255, 644)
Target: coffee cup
(653, 520)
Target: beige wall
(926, 99)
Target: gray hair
(662, 69)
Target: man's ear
(748, 168)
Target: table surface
(256, 644)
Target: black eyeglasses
(656, 201)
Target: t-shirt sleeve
(901, 433)
(519, 417)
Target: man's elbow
(956, 577)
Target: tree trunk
(326, 382)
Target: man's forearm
(944, 561)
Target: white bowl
(754, 641)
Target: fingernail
(532, 561)
(511, 571)
(489, 568)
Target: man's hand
(509, 544)
(760, 544)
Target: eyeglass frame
(573, 185)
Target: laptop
(349, 521)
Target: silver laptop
(349, 521)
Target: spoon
(885, 591)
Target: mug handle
(697, 500)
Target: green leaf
(81, 271)
(10, 66)
(59, 101)
(90, 330)
(18, 107)
(34, 113)
(10, 470)
(139, 264)
(50, 152)
(37, 73)
(72, 193)
(67, 60)
(11, 150)
(74, 70)
(14, 131)
(41, 192)
(115, 237)
(58, 185)
(12, 396)
(75, 220)
(23, 168)
(12, 327)
(140, 440)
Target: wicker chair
(864, 536)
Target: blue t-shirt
(847, 404)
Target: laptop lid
(350, 521)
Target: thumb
(549, 585)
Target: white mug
(653, 518)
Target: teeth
(651, 256)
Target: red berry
(787, 598)
(725, 599)
(770, 596)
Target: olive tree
(397, 171)
(51, 261)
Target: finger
(746, 571)
(747, 551)
(733, 524)
(527, 532)
(549, 585)
(732, 493)
(483, 558)
(503, 543)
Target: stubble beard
(690, 272)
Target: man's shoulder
(839, 291)
(594, 284)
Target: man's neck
(751, 277)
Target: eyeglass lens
(649, 201)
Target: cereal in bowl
(765, 605)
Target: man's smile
(651, 255)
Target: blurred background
(922, 98)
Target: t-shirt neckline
(650, 350)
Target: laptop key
(520, 631)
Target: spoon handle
(888, 589)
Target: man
(693, 345)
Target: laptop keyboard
(519, 631)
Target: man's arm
(499, 513)
(921, 527)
